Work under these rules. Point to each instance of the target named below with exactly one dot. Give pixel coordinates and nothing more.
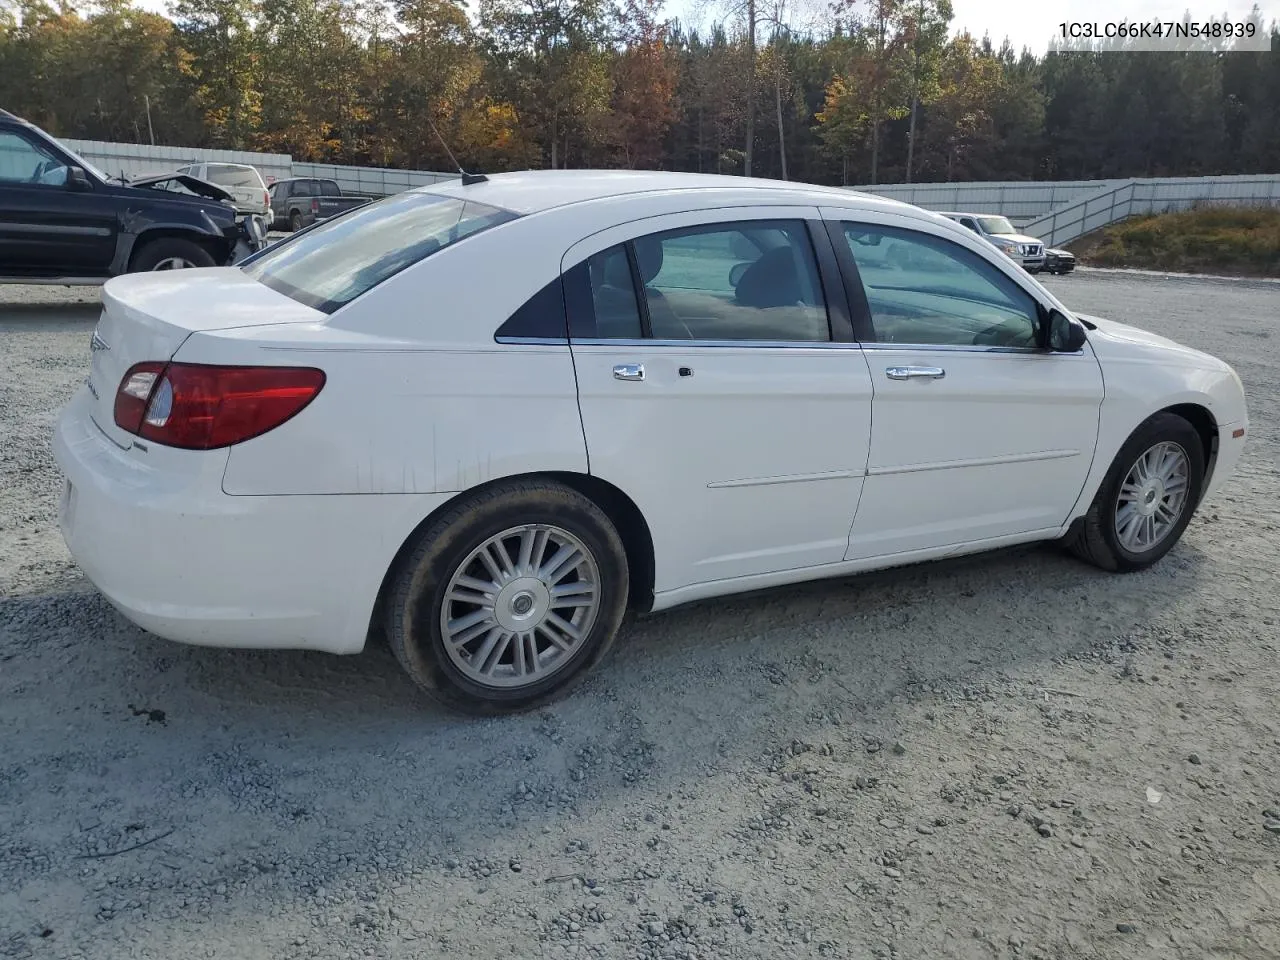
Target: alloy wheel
(174, 263)
(520, 605)
(1152, 497)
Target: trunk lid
(147, 316)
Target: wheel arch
(621, 510)
(1205, 425)
(216, 244)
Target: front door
(719, 388)
(978, 432)
(47, 227)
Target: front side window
(21, 161)
(753, 280)
(922, 289)
(331, 264)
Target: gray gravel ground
(1007, 756)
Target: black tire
(152, 255)
(1093, 538)
(416, 591)
(295, 221)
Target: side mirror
(77, 180)
(1065, 335)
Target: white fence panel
(138, 159)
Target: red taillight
(201, 407)
(315, 206)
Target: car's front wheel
(508, 598)
(1147, 498)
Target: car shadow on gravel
(869, 634)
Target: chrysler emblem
(97, 343)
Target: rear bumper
(185, 561)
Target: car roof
(532, 191)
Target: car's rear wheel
(171, 253)
(508, 598)
(1147, 498)
(295, 221)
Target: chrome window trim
(760, 344)
(533, 341)
(953, 348)
(632, 343)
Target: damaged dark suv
(64, 221)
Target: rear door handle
(915, 373)
(628, 371)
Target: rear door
(48, 228)
(979, 433)
(720, 389)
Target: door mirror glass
(1065, 335)
(76, 179)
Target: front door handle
(915, 373)
(628, 371)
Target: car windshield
(233, 175)
(997, 226)
(336, 261)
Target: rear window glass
(231, 175)
(336, 261)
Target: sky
(1030, 23)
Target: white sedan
(487, 418)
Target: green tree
(222, 69)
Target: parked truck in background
(1001, 234)
(298, 202)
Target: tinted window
(755, 280)
(613, 295)
(232, 175)
(23, 162)
(541, 317)
(328, 188)
(923, 289)
(336, 261)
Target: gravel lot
(1012, 755)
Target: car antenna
(467, 178)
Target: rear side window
(331, 264)
(233, 175)
(328, 188)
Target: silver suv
(1000, 233)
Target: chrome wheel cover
(519, 607)
(1152, 497)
